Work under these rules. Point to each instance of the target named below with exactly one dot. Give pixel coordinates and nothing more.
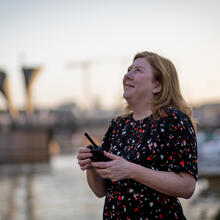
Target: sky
(62, 35)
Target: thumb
(110, 156)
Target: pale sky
(107, 34)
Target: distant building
(207, 116)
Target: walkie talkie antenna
(90, 139)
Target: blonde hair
(170, 95)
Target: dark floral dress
(167, 144)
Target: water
(60, 192)
(55, 193)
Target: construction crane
(85, 67)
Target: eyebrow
(136, 67)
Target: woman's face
(138, 82)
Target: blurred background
(61, 69)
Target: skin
(139, 88)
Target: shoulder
(173, 114)
(176, 119)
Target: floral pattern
(166, 144)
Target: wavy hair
(170, 95)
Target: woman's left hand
(116, 169)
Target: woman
(153, 149)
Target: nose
(129, 75)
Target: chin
(127, 97)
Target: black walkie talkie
(97, 152)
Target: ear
(157, 87)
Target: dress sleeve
(180, 144)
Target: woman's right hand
(83, 157)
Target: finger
(103, 173)
(83, 156)
(101, 165)
(110, 156)
(86, 166)
(84, 162)
(84, 150)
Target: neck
(141, 111)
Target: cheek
(146, 85)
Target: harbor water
(59, 191)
